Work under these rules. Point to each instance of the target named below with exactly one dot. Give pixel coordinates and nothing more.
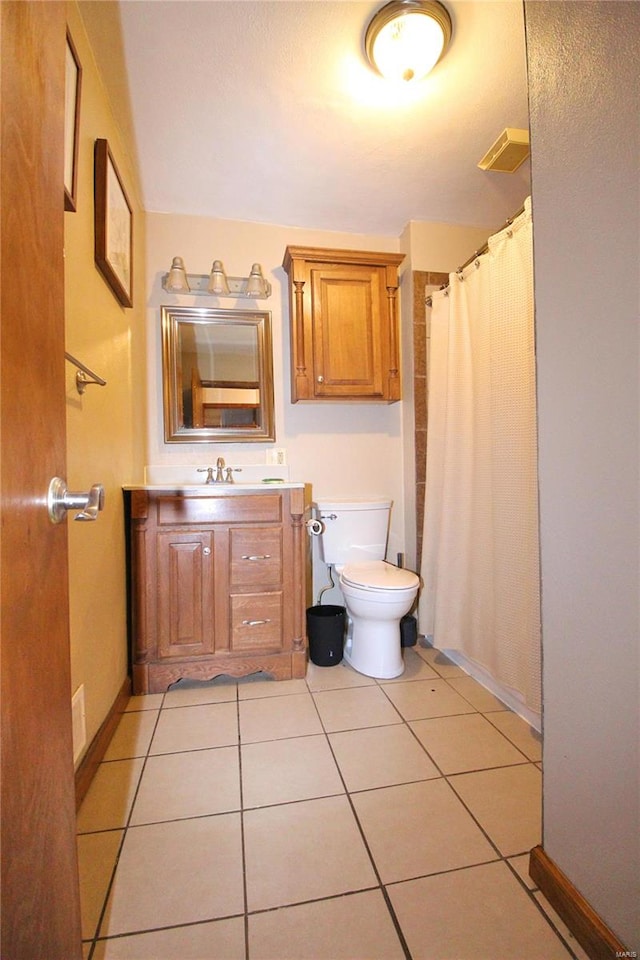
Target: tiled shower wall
(423, 283)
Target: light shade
(406, 38)
(176, 280)
(255, 282)
(218, 280)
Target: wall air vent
(508, 152)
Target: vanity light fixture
(406, 38)
(216, 283)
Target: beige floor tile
(477, 695)
(337, 677)
(440, 663)
(178, 872)
(426, 698)
(561, 926)
(133, 735)
(354, 926)
(481, 913)
(354, 708)
(196, 728)
(507, 803)
(202, 941)
(276, 718)
(109, 798)
(415, 668)
(281, 771)
(419, 828)
(148, 701)
(196, 784)
(519, 732)
(304, 851)
(380, 757)
(271, 688)
(97, 854)
(191, 693)
(521, 866)
(466, 742)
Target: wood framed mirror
(217, 373)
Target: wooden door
(40, 895)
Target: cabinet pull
(263, 556)
(254, 623)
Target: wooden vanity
(220, 582)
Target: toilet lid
(378, 575)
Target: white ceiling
(267, 111)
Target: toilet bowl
(376, 595)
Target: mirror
(217, 372)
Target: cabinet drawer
(256, 557)
(256, 622)
(229, 508)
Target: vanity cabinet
(219, 584)
(344, 324)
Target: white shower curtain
(480, 560)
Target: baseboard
(98, 747)
(594, 936)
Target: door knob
(60, 499)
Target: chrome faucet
(219, 468)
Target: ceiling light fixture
(216, 283)
(406, 38)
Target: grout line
(382, 887)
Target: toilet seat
(377, 575)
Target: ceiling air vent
(508, 152)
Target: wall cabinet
(219, 584)
(344, 324)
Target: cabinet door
(349, 335)
(185, 593)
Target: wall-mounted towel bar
(84, 375)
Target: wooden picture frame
(113, 226)
(73, 85)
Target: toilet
(376, 594)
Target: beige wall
(585, 135)
(105, 426)
(340, 449)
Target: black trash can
(325, 629)
(408, 631)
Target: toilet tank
(354, 530)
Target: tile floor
(336, 817)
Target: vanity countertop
(214, 489)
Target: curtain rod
(481, 250)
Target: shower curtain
(480, 560)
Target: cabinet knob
(206, 551)
(320, 379)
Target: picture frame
(113, 225)
(73, 86)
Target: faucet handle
(209, 473)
